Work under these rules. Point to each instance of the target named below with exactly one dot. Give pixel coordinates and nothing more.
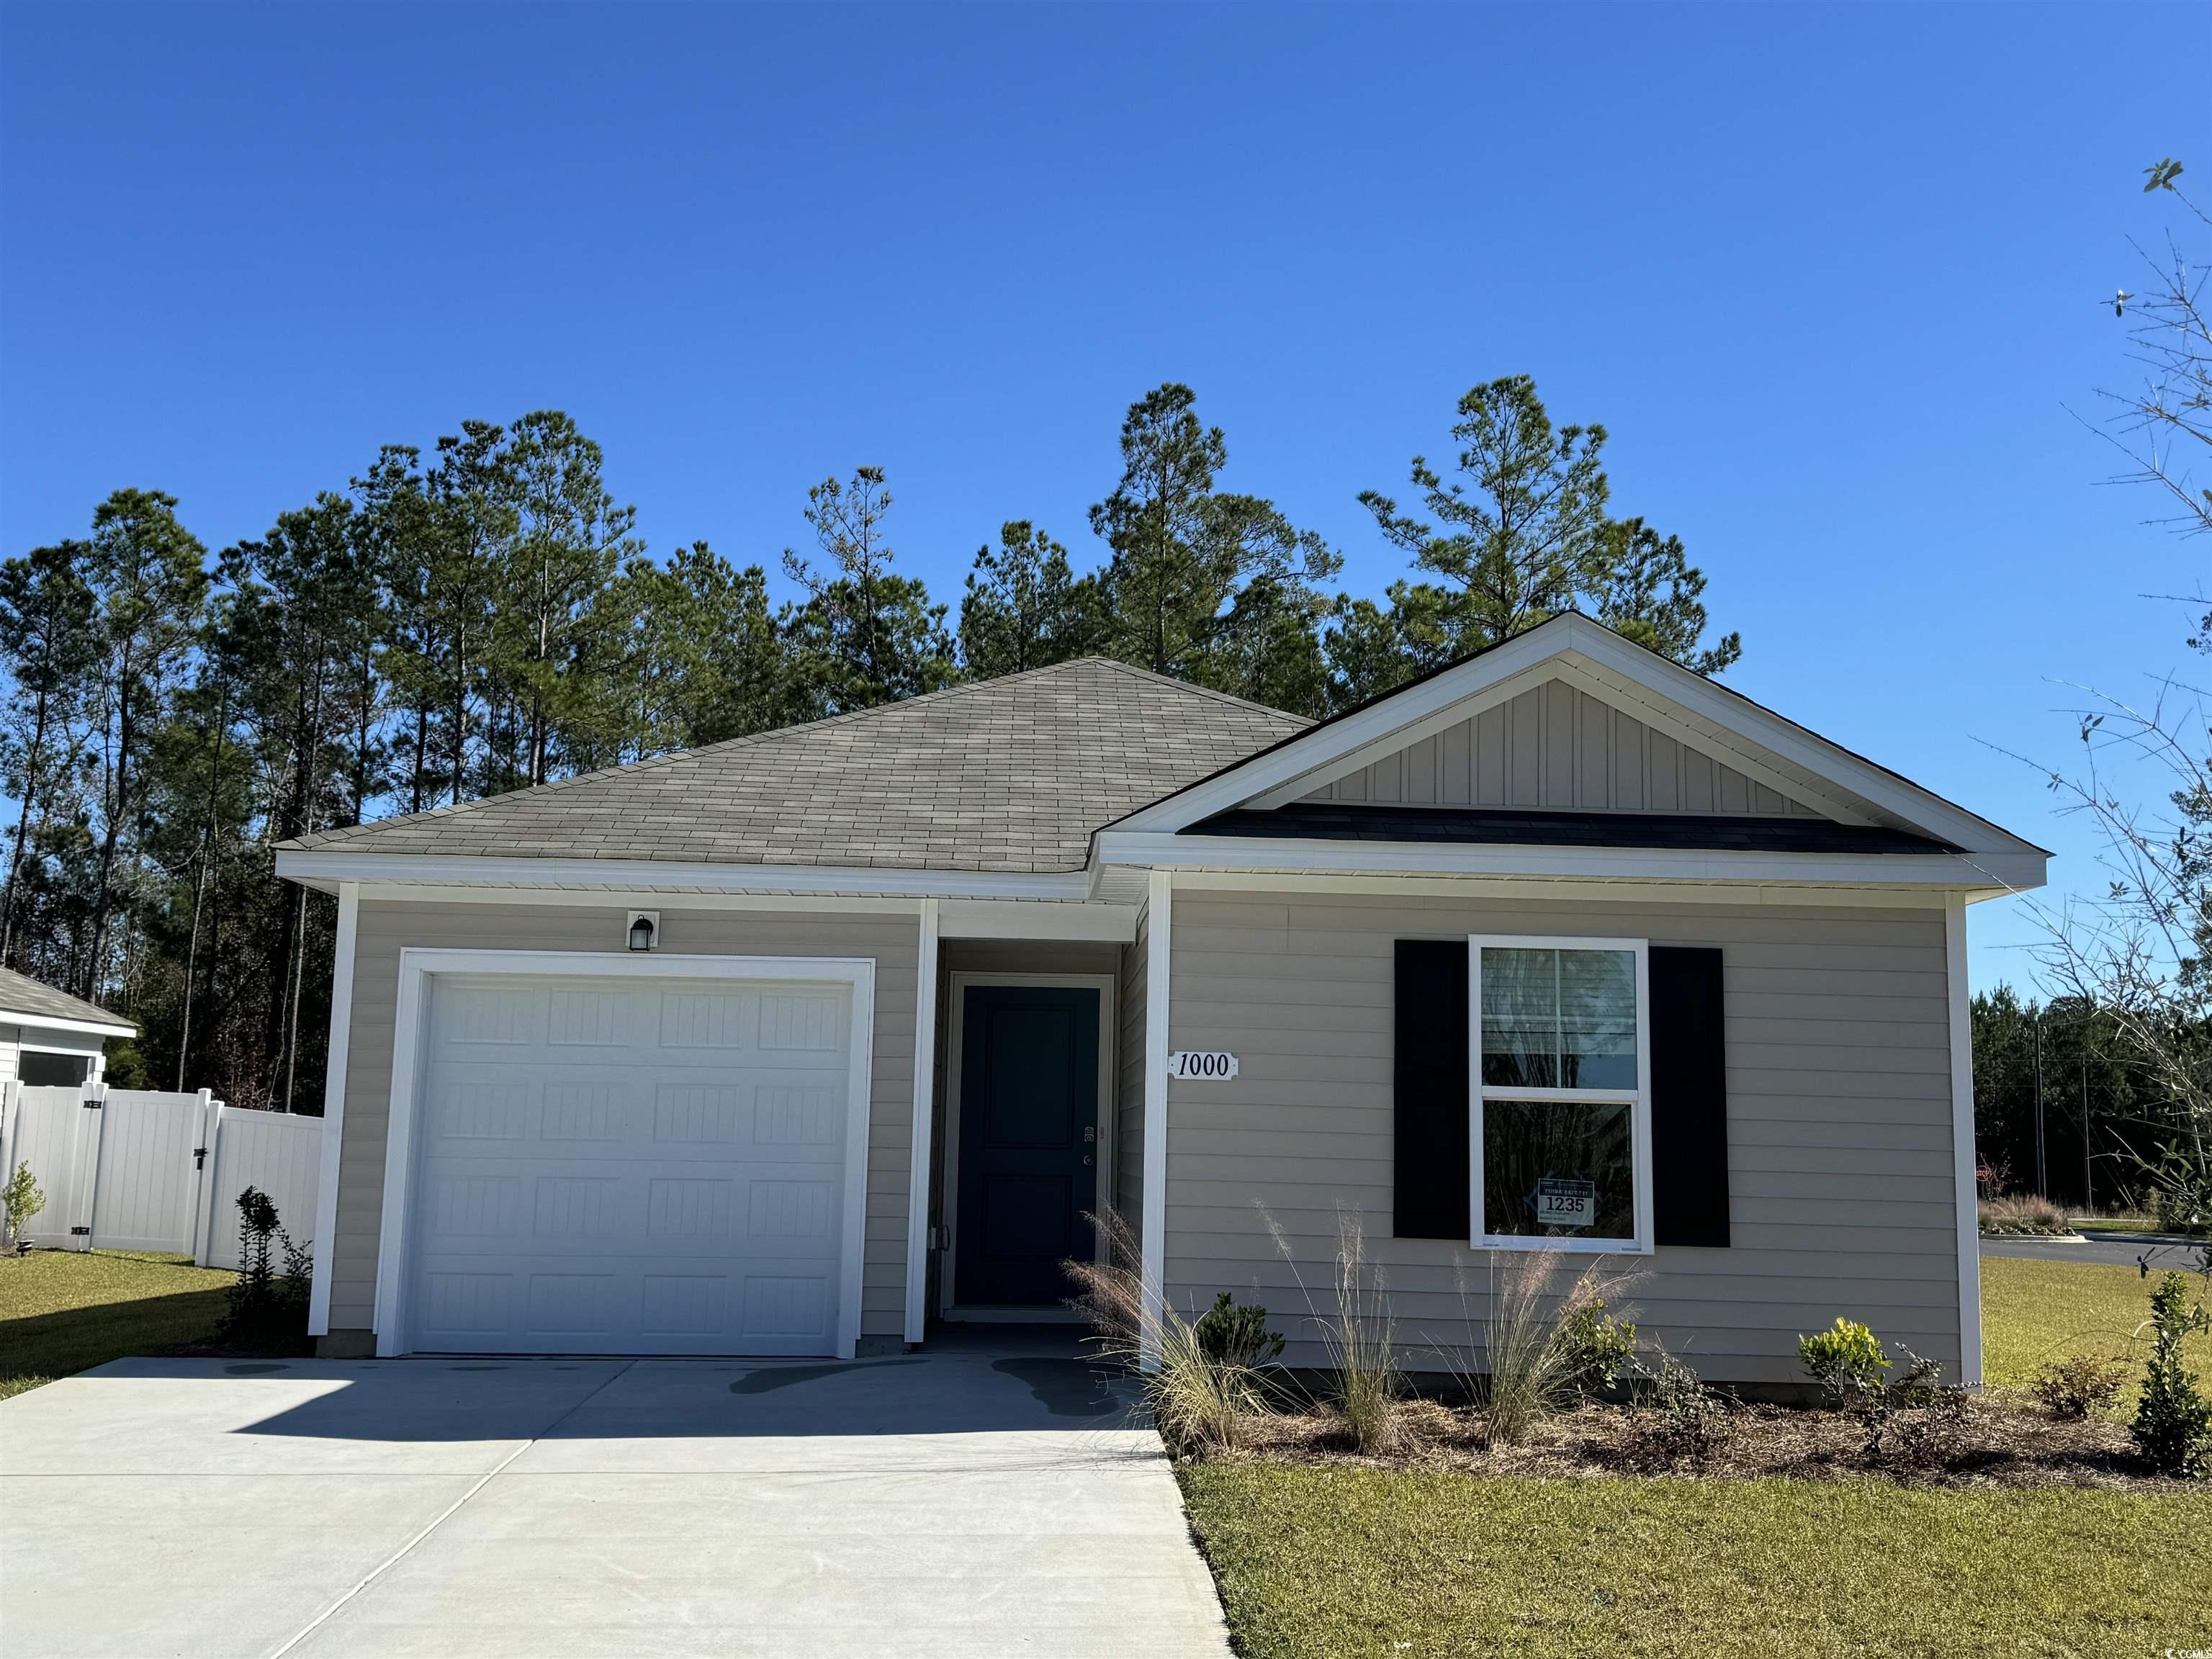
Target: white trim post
(1154, 1233)
(1962, 1143)
(325, 1243)
(925, 1112)
(11, 1118)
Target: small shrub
(21, 1199)
(2173, 1419)
(1682, 1419)
(2076, 1386)
(1847, 1361)
(1594, 1346)
(1198, 1402)
(267, 1303)
(1917, 1384)
(2022, 1213)
(1926, 1434)
(1232, 1333)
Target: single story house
(50, 1039)
(797, 1044)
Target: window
(1560, 1110)
(38, 1070)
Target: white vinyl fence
(138, 1170)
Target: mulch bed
(1993, 1442)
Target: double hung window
(1561, 1125)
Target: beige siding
(1129, 1120)
(1839, 1121)
(1559, 748)
(385, 927)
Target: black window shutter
(1430, 1090)
(1689, 1097)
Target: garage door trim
(418, 966)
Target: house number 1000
(1211, 1063)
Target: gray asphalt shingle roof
(22, 995)
(1004, 775)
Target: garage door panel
(672, 1181)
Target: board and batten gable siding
(1555, 746)
(1841, 1179)
(387, 927)
(1129, 1106)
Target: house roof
(1487, 826)
(1007, 774)
(25, 1000)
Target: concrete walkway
(972, 1502)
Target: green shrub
(1683, 1418)
(2076, 1386)
(1847, 1361)
(21, 1199)
(1236, 1335)
(267, 1303)
(2173, 1420)
(1594, 1346)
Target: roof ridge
(1230, 698)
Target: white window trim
(418, 965)
(1638, 1099)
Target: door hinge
(80, 1232)
(199, 1158)
(89, 1105)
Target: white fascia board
(1524, 889)
(2001, 871)
(1792, 743)
(99, 1027)
(429, 870)
(963, 918)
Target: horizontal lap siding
(1839, 1122)
(385, 928)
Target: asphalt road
(2123, 1249)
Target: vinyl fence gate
(145, 1169)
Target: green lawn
(1315, 1561)
(2035, 1311)
(62, 1311)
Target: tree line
(483, 616)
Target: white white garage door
(629, 1165)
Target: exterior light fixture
(644, 929)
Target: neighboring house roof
(1006, 775)
(26, 1001)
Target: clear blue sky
(1832, 277)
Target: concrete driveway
(975, 1501)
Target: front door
(1029, 1142)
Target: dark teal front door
(1028, 1143)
